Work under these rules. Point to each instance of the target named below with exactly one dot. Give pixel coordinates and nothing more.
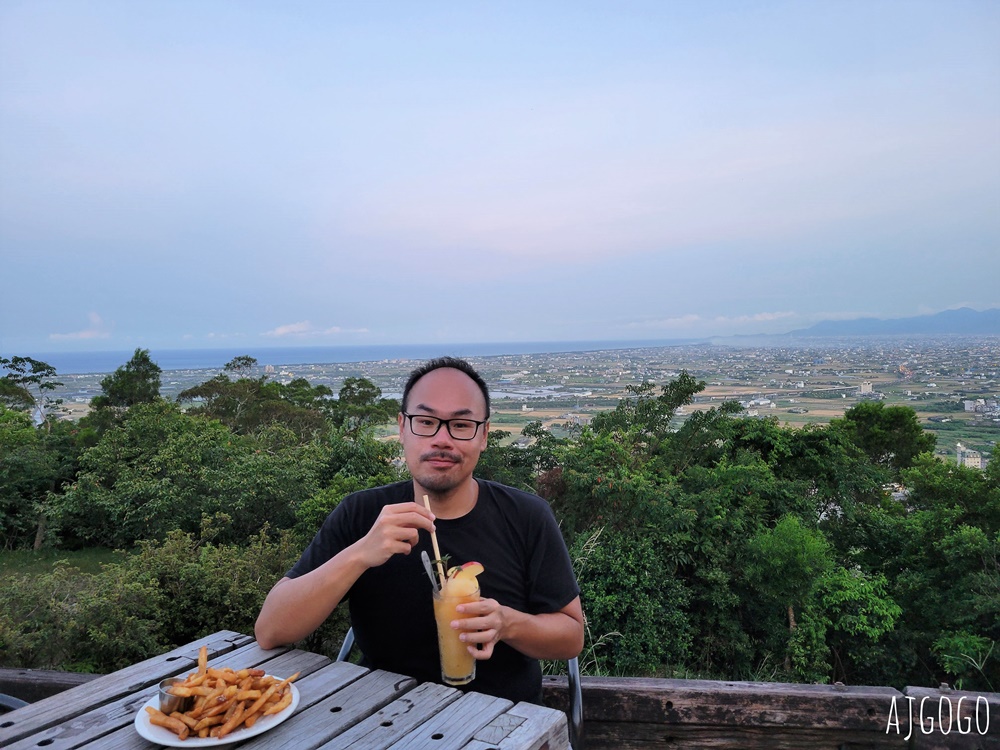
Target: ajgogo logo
(946, 721)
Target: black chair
(575, 692)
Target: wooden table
(341, 705)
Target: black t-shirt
(526, 566)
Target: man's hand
(483, 628)
(555, 635)
(395, 531)
(313, 596)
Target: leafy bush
(166, 594)
(79, 622)
(632, 608)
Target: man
(368, 552)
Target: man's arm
(311, 597)
(555, 635)
(295, 607)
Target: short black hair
(453, 362)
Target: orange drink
(458, 665)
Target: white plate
(162, 736)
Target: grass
(30, 562)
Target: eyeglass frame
(447, 424)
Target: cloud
(96, 330)
(304, 328)
(292, 329)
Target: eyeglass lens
(460, 429)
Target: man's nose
(443, 437)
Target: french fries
(223, 700)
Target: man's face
(441, 463)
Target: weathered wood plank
(86, 727)
(495, 732)
(525, 727)
(125, 738)
(69, 704)
(647, 736)
(329, 718)
(391, 723)
(313, 687)
(90, 727)
(750, 704)
(652, 713)
(453, 727)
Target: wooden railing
(649, 714)
(34, 684)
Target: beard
(437, 480)
(439, 483)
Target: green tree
(519, 463)
(354, 461)
(26, 386)
(950, 582)
(135, 382)
(246, 405)
(241, 366)
(161, 470)
(33, 465)
(784, 567)
(645, 631)
(891, 436)
(938, 547)
(652, 416)
(359, 405)
(856, 610)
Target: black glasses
(460, 429)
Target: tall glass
(458, 666)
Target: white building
(972, 459)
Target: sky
(220, 174)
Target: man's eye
(463, 426)
(426, 422)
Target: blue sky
(206, 174)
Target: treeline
(721, 547)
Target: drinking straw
(434, 541)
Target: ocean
(82, 363)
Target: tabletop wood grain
(341, 706)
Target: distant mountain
(961, 321)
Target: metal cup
(170, 702)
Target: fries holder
(169, 702)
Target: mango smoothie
(458, 666)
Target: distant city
(952, 382)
